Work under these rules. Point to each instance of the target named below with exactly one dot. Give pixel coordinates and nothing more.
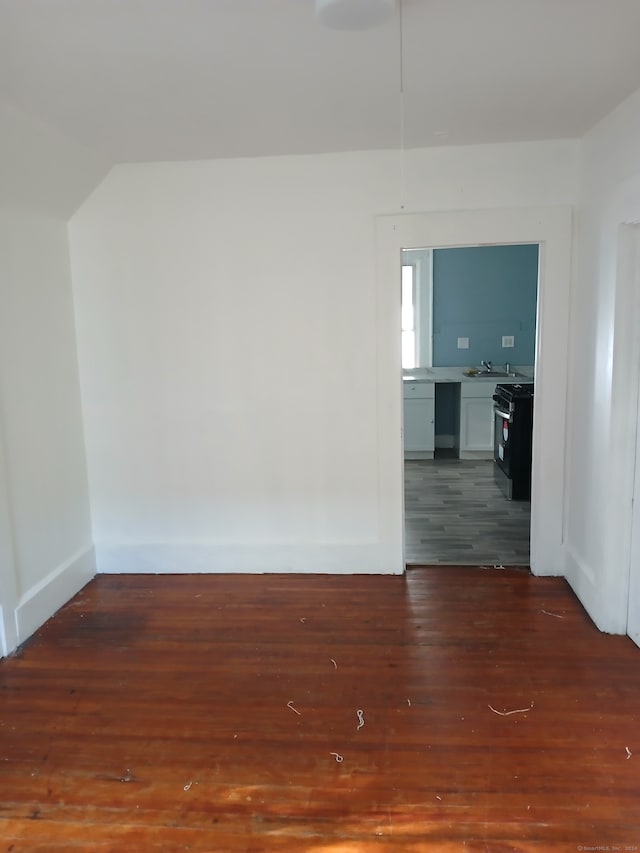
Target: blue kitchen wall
(483, 293)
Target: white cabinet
(419, 418)
(476, 419)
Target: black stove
(512, 439)
(508, 393)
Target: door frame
(551, 228)
(8, 581)
(633, 606)
(626, 424)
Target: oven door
(502, 428)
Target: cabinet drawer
(484, 388)
(418, 390)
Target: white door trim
(633, 606)
(626, 425)
(551, 227)
(8, 580)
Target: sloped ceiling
(41, 170)
(186, 79)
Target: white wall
(604, 376)
(228, 337)
(46, 552)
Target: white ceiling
(187, 79)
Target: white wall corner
(41, 601)
(588, 587)
(42, 169)
(8, 638)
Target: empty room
(241, 604)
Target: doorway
(550, 227)
(463, 307)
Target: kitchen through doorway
(469, 322)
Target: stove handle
(505, 415)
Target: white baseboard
(41, 601)
(589, 591)
(445, 442)
(476, 454)
(237, 559)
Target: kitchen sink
(497, 374)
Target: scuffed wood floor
(207, 713)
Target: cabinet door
(476, 425)
(419, 425)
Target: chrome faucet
(507, 368)
(486, 365)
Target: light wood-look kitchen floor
(455, 514)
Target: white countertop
(456, 374)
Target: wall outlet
(463, 343)
(508, 341)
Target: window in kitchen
(408, 285)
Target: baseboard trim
(445, 442)
(161, 558)
(476, 454)
(41, 601)
(582, 579)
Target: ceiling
(190, 79)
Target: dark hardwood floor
(220, 713)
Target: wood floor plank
(159, 713)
